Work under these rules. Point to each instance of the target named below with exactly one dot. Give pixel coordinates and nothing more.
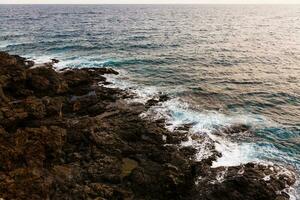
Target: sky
(149, 1)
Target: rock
(102, 190)
(34, 107)
(127, 166)
(62, 172)
(2, 95)
(54, 105)
(235, 129)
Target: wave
(73, 48)
(70, 62)
(146, 46)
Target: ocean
(221, 64)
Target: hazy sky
(150, 1)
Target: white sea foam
(234, 154)
(6, 43)
(142, 94)
(41, 59)
(178, 113)
(202, 146)
(71, 62)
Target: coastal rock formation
(64, 136)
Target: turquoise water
(221, 65)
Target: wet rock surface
(63, 136)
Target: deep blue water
(221, 64)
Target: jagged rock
(127, 166)
(155, 100)
(44, 81)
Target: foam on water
(177, 113)
(142, 93)
(234, 154)
(40, 59)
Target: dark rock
(155, 100)
(54, 60)
(45, 81)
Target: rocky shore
(63, 135)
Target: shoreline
(62, 136)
